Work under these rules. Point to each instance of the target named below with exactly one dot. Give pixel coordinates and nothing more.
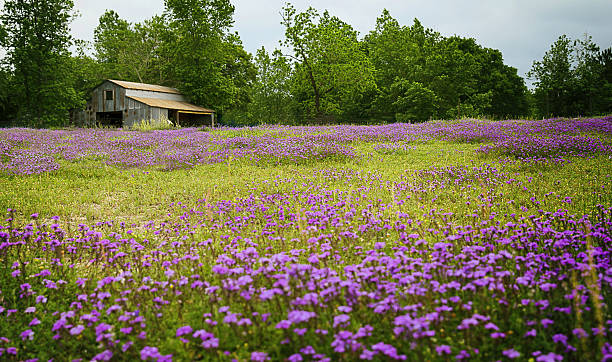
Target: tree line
(323, 73)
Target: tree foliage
(271, 93)
(447, 77)
(129, 51)
(331, 68)
(572, 79)
(36, 39)
(208, 63)
(326, 72)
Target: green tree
(129, 51)
(572, 79)
(484, 85)
(605, 59)
(399, 55)
(331, 67)
(87, 72)
(36, 38)
(455, 76)
(451, 73)
(7, 99)
(412, 101)
(208, 63)
(589, 95)
(553, 79)
(271, 94)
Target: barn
(119, 103)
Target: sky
(523, 30)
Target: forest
(323, 72)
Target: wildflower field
(467, 239)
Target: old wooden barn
(123, 104)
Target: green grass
(89, 190)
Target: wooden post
(212, 120)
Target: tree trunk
(313, 82)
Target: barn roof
(145, 87)
(164, 103)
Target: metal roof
(164, 103)
(145, 87)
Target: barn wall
(155, 95)
(163, 113)
(154, 113)
(101, 105)
(136, 115)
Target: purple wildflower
(149, 352)
(76, 330)
(27, 334)
(259, 357)
(181, 331)
(511, 353)
(443, 349)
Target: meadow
(467, 239)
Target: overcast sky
(522, 29)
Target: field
(466, 239)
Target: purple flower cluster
(25, 151)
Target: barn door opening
(173, 117)
(194, 119)
(110, 119)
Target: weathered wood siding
(136, 113)
(100, 104)
(139, 112)
(155, 95)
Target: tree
(605, 59)
(36, 38)
(208, 63)
(87, 72)
(487, 85)
(451, 73)
(271, 94)
(7, 100)
(399, 55)
(553, 77)
(129, 51)
(412, 101)
(572, 79)
(331, 68)
(444, 77)
(589, 76)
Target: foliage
(553, 78)
(208, 63)
(571, 79)
(7, 98)
(87, 72)
(411, 101)
(272, 100)
(131, 52)
(328, 74)
(147, 125)
(37, 39)
(331, 68)
(459, 78)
